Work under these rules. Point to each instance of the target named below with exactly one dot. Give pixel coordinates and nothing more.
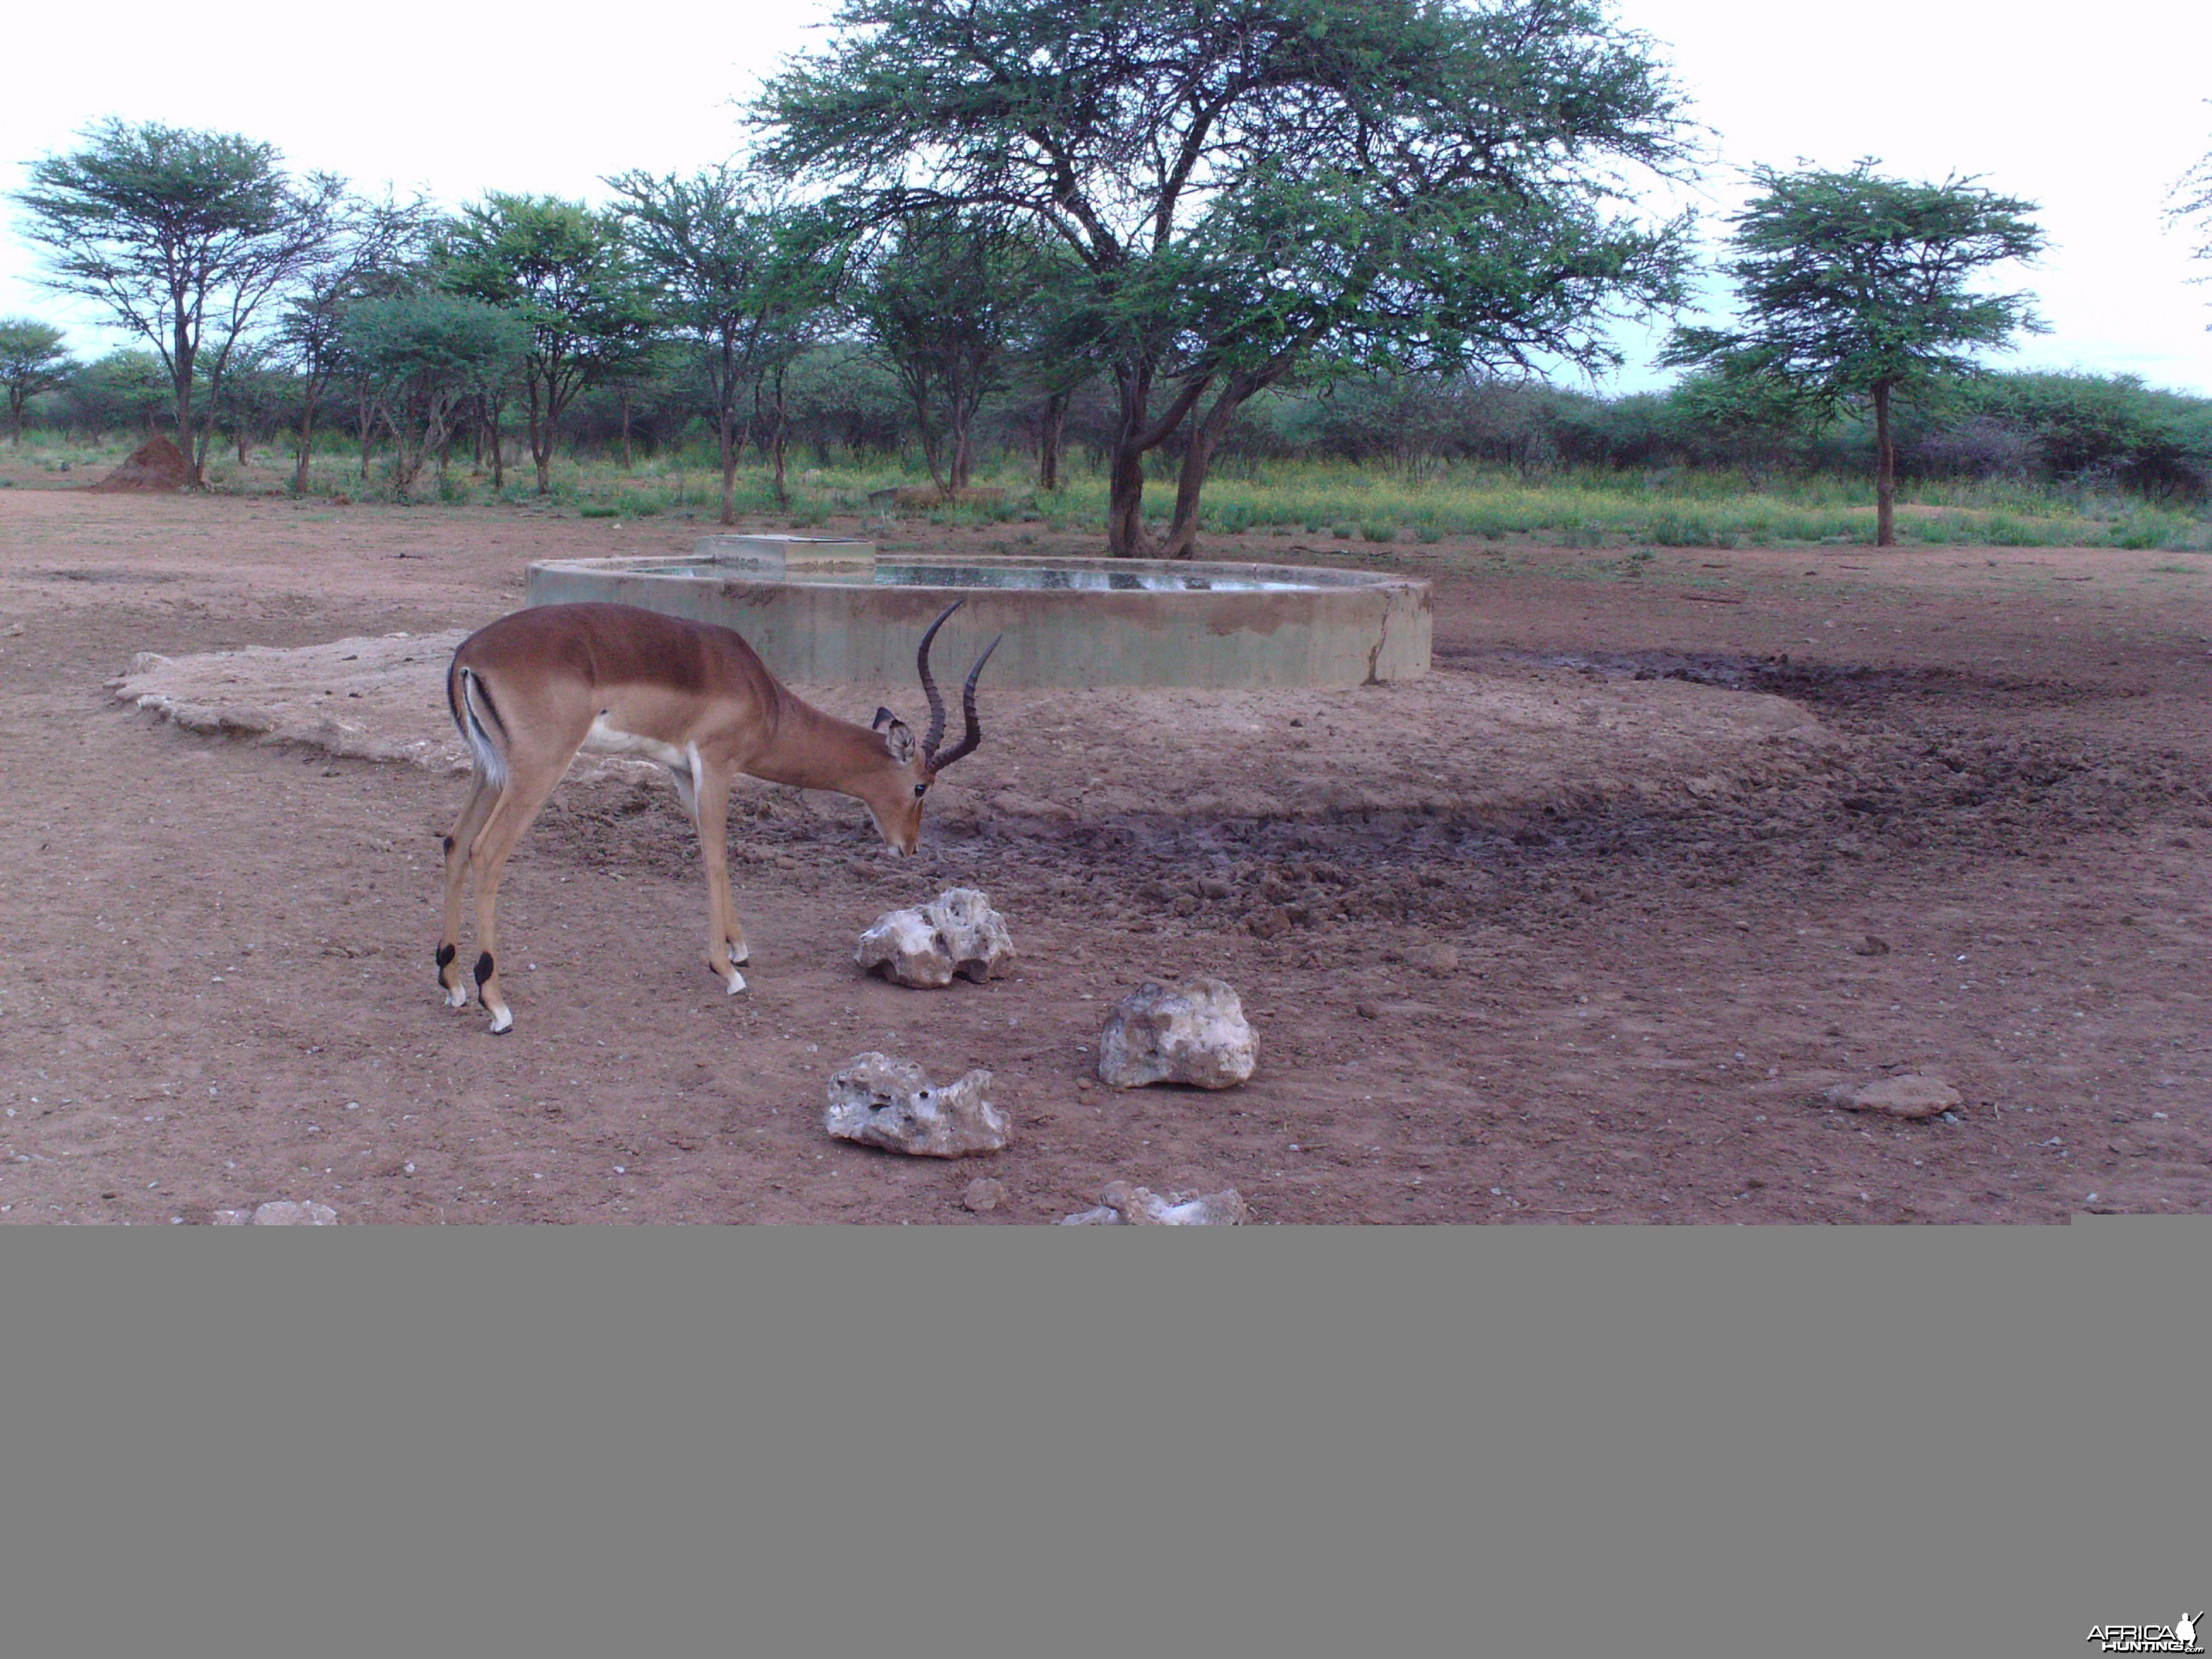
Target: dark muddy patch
(143, 578)
(1848, 686)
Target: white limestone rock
(881, 1102)
(904, 945)
(1908, 1095)
(956, 933)
(285, 1214)
(1197, 1034)
(1121, 1205)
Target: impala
(533, 689)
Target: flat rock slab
(877, 1101)
(1910, 1095)
(1122, 1205)
(1535, 738)
(282, 1212)
(1197, 1035)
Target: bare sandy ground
(1681, 883)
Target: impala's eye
(919, 790)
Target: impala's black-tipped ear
(882, 715)
(900, 741)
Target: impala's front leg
(726, 940)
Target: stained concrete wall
(1349, 629)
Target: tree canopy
(562, 269)
(1854, 286)
(183, 235)
(32, 360)
(742, 275)
(377, 249)
(421, 356)
(1251, 186)
(946, 303)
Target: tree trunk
(626, 464)
(495, 408)
(962, 459)
(368, 433)
(306, 443)
(782, 494)
(1050, 429)
(1205, 437)
(184, 352)
(1885, 471)
(1125, 503)
(1125, 471)
(541, 444)
(729, 435)
(1132, 438)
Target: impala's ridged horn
(936, 733)
(974, 735)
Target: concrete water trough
(834, 612)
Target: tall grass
(1316, 503)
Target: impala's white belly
(606, 739)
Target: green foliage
(564, 271)
(421, 356)
(1849, 282)
(946, 302)
(746, 276)
(1855, 287)
(32, 360)
(182, 235)
(122, 390)
(2084, 426)
(1251, 184)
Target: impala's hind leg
(529, 781)
(481, 796)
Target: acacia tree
(376, 251)
(32, 360)
(1254, 185)
(424, 357)
(1854, 289)
(745, 276)
(945, 304)
(563, 269)
(183, 236)
(254, 398)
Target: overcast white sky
(2093, 112)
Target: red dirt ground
(218, 988)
